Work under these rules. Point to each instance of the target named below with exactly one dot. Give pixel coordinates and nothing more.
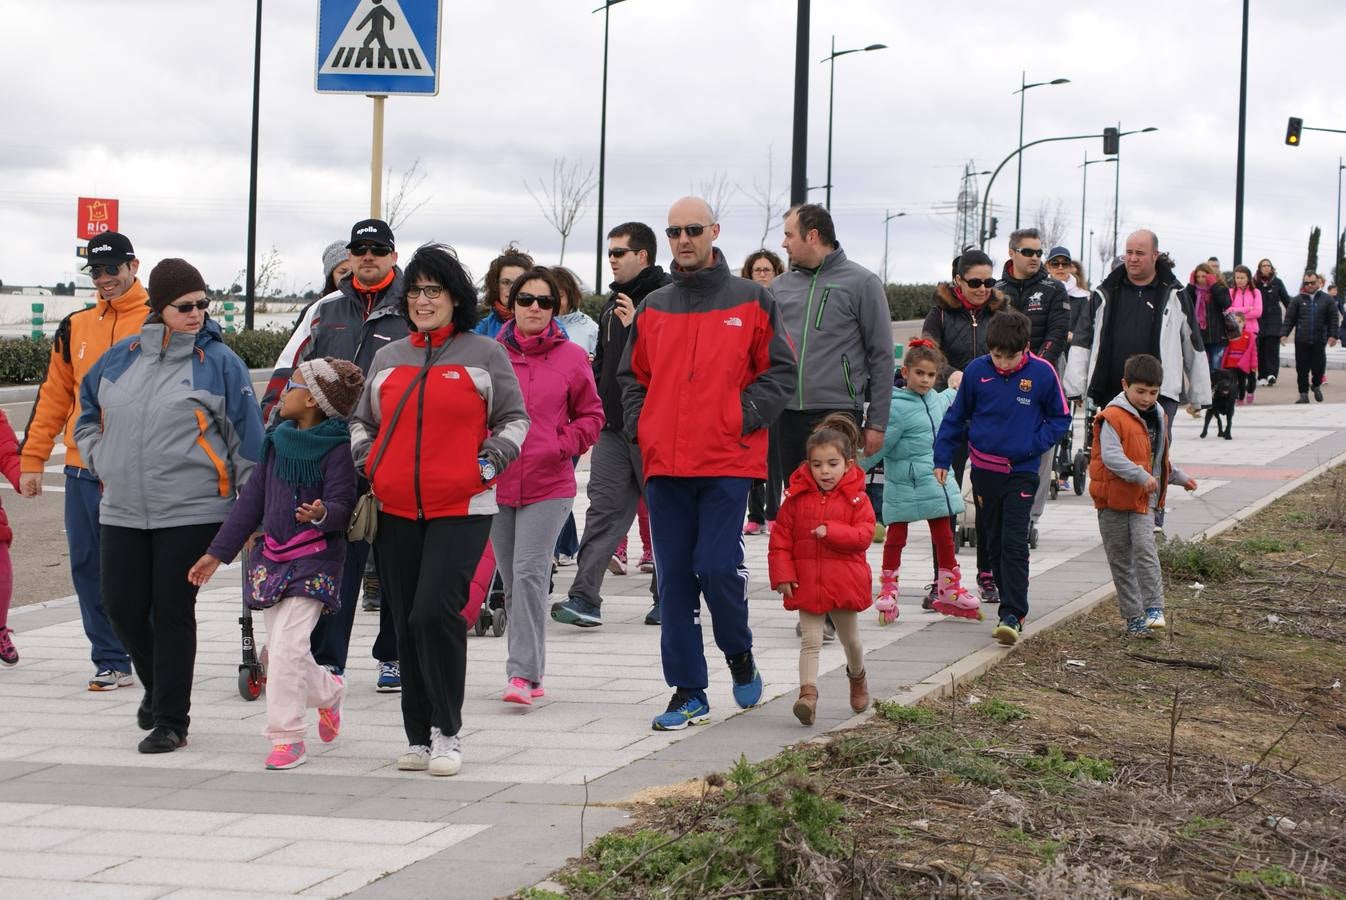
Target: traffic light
(995, 223)
(1292, 130)
(1111, 142)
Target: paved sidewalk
(83, 815)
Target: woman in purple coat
(301, 498)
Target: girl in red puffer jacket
(817, 555)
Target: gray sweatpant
(614, 494)
(523, 538)
(1045, 477)
(1128, 541)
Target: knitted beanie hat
(334, 383)
(171, 279)
(333, 256)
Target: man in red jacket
(706, 369)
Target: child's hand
(820, 532)
(955, 378)
(941, 474)
(1151, 486)
(205, 567)
(310, 512)
(1190, 485)
(786, 589)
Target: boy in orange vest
(1130, 445)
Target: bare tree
(716, 192)
(564, 197)
(1050, 221)
(404, 202)
(1106, 240)
(771, 202)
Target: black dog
(1223, 390)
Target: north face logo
(734, 321)
(451, 375)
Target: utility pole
(800, 143)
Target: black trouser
(427, 570)
(764, 497)
(1310, 362)
(1269, 354)
(792, 433)
(1247, 382)
(1005, 514)
(152, 607)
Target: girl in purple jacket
(300, 497)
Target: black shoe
(829, 629)
(162, 740)
(1303, 398)
(652, 617)
(1318, 394)
(931, 592)
(145, 715)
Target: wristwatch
(487, 468)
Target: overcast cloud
(148, 101)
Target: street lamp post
(1084, 189)
(1024, 88)
(250, 298)
(602, 145)
(831, 90)
(1089, 266)
(888, 217)
(1117, 182)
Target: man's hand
(625, 310)
(941, 474)
(873, 442)
(30, 484)
(786, 589)
(1151, 485)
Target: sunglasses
(1058, 263)
(544, 301)
(975, 283)
(100, 271)
(618, 252)
(1028, 251)
(186, 308)
(377, 249)
(431, 291)
(675, 231)
(295, 386)
(1310, 284)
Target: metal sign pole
(376, 161)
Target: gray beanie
(332, 256)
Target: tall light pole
(602, 147)
(888, 217)
(250, 298)
(799, 139)
(1117, 181)
(1337, 238)
(831, 60)
(1089, 266)
(1024, 88)
(1084, 189)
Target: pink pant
(643, 519)
(6, 584)
(294, 682)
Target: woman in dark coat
(1275, 301)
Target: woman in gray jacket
(171, 427)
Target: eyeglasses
(431, 291)
(675, 231)
(975, 283)
(544, 301)
(186, 308)
(100, 271)
(763, 270)
(295, 386)
(377, 249)
(1028, 251)
(618, 252)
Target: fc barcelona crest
(1025, 384)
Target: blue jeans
(83, 493)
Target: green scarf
(299, 452)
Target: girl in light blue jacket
(910, 491)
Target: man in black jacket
(1047, 304)
(615, 478)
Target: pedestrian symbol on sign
(373, 41)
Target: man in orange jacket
(81, 338)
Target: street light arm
(1006, 161)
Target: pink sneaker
(537, 690)
(752, 528)
(617, 565)
(8, 655)
(286, 756)
(647, 562)
(329, 717)
(520, 691)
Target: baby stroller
(1080, 463)
(485, 610)
(967, 523)
(1067, 465)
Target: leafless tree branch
(562, 200)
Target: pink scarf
(1202, 298)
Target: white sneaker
(110, 680)
(446, 753)
(416, 759)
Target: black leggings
(152, 607)
(427, 570)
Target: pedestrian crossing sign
(378, 47)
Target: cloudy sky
(152, 106)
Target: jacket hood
(390, 300)
(833, 258)
(801, 482)
(551, 337)
(946, 298)
(650, 277)
(1121, 402)
(702, 281)
(152, 334)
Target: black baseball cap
(372, 231)
(109, 248)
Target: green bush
(909, 301)
(23, 360)
(592, 305)
(259, 348)
(1197, 559)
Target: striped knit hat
(334, 383)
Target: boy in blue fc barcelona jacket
(1011, 409)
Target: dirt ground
(1206, 761)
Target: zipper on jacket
(420, 420)
(804, 339)
(846, 373)
(822, 305)
(934, 431)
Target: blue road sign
(378, 47)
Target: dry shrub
(1331, 511)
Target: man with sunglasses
(1029, 289)
(615, 481)
(707, 367)
(82, 337)
(363, 315)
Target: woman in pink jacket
(535, 494)
(1247, 299)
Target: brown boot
(859, 691)
(807, 704)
